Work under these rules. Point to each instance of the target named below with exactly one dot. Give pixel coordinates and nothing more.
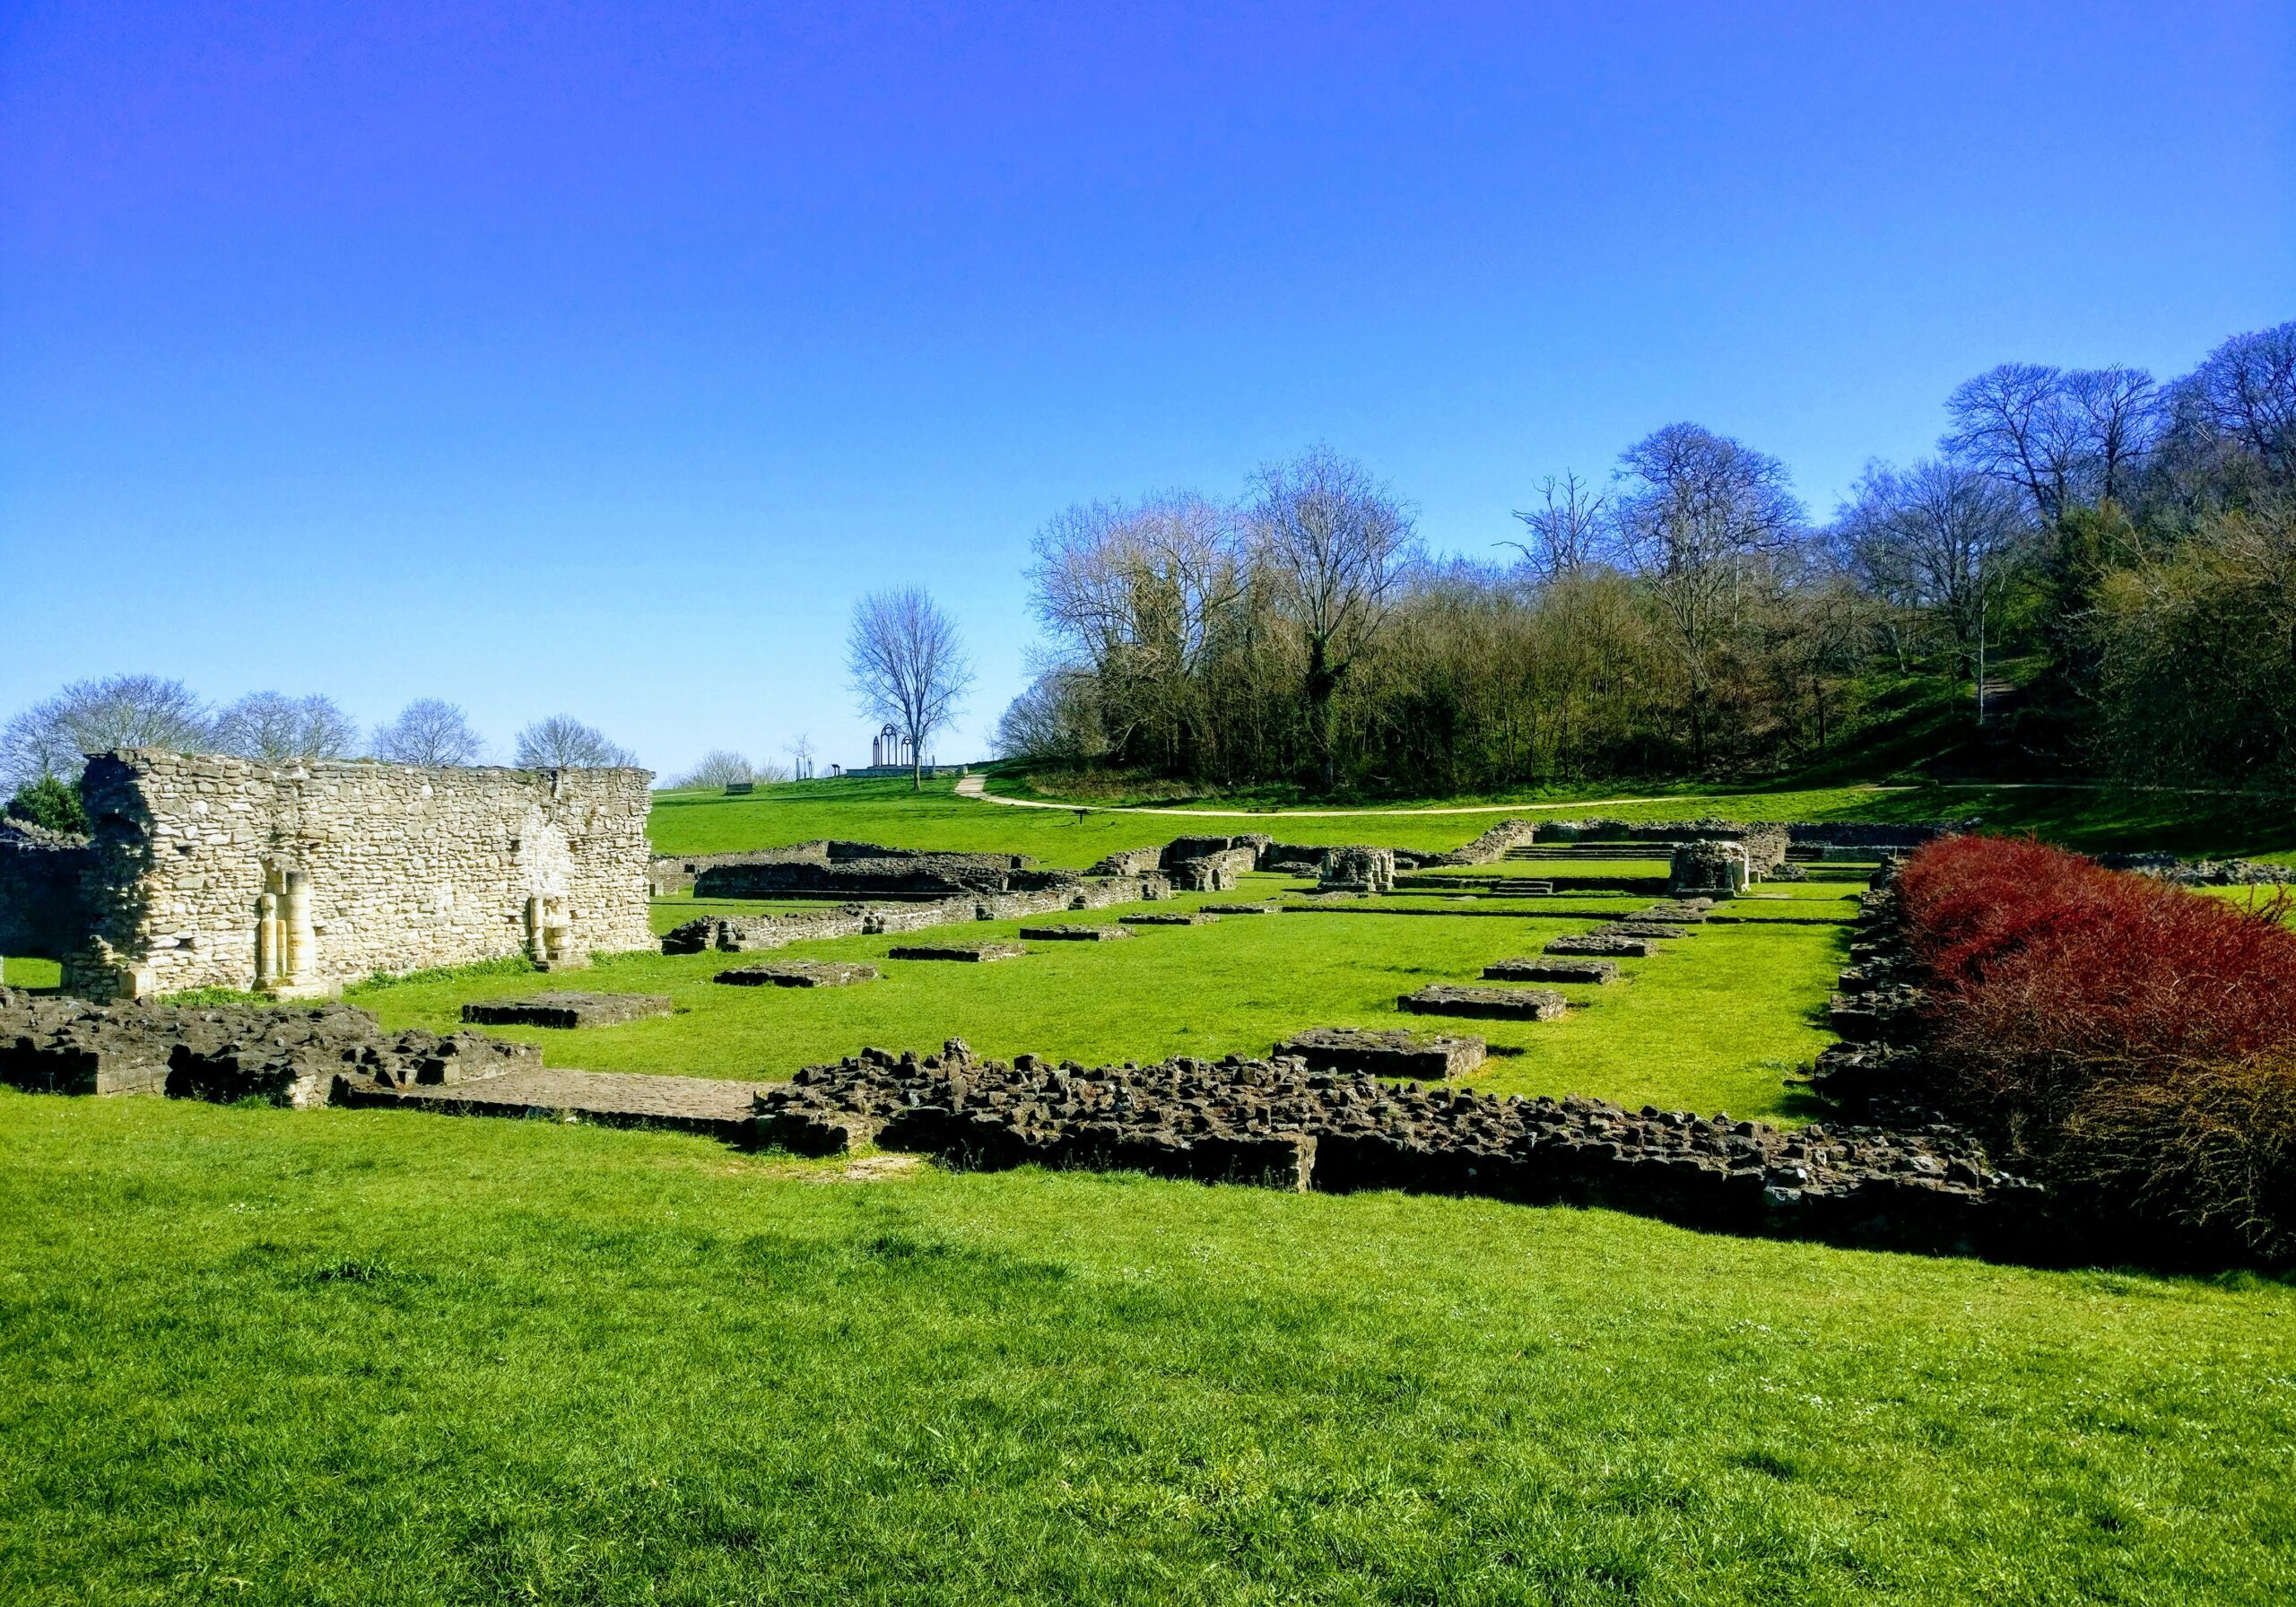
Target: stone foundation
(1383, 1053)
(288, 1057)
(799, 973)
(1533, 969)
(1278, 1123)
(1496, 1003)
(975, 953)
(741, 934)
(566, 1011)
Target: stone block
(1533, 968)
(1075, 932)
(1384, 1053)
(799, 973)
(1177, 918)
(1496, 1003)
(566, 1010)
(1594, 945)
(972, 954)
(1241, 909)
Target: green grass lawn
(1716, 1023)
(885, 810)
(259, 1357)
(30, 973)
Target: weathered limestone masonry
(289, 1057)
(40, 889)
(1359, 870)
(863, 870)
(741, 934)
(1278, 1123)
(1491, 847)
(208, 872)
(671, 873)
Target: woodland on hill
(2094, 574)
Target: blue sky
(594, 357)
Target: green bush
(50, 802)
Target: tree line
(43, 749)
(2098, 567)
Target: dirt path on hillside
(976, 786)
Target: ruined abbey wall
(400, 867)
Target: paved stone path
(714, 1106)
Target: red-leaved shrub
(2128, 1038)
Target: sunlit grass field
(258, 1357)
(1719, 1021)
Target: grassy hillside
(885, 810)
(266, 1356)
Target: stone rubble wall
(56, 1045)
(2201, 872)
(896, 873)
(1360, 868)
(1278, 1123)
(1489, 847)
(410, 867)
(41, 872)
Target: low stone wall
(290, 1057)
(895, 874)
(1489, 847)
(740, 935)
(41, 874)
(1277, 1122)
(2201, 872)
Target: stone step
(716, 1106)
(1498, 1004)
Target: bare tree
(908, 665)
(717, 768)
(563, 742)
(2245, 393)
(429, 731)
(1941, 537)
(1567, 529)
(1054, 718)
(54, 736)
(1701, 520)
(1135, 593)
(2118, 409)
(274, 728)
(800, 749)
(2011, 423)
(2063, 437)
(1338, 545)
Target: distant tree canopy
(429, 731)
(274, 728)
(2125, 546)
(54, 736)
(561, 742)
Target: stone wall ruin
(208, 872)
